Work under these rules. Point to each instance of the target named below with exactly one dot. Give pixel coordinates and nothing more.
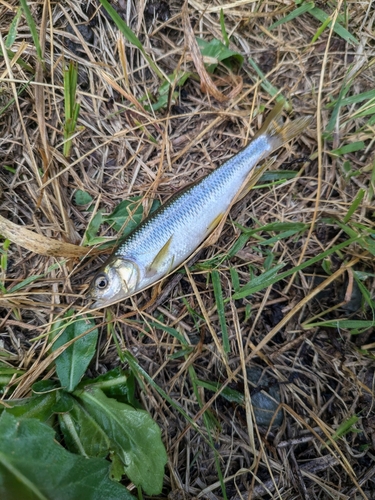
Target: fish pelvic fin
(278, 133)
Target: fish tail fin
(278, 133)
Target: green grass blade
(306, 7)
(212, 425)
(259, 282)
(332, 121)
(229, 394)
(280, 175)
(279, 237)
(140, 374)
(235, 279)
(25, 282)
(288, 228)
(348, 148)
(19, 92)
(320, 30)
(223, 29)
(267, 86)
(354, 99)
(270, 277)
(19, 61)
(130, 36)
(32, 26)
(343, 428)
(71, 107)
(12, 33)
(218, 292)
(349, 324)
(367, 109)
(366, 294)
(353, 207)
(321, 16)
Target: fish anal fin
(252, 179)
(159, 258)
(215, 228)
(215, 222)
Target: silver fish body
(163, 241)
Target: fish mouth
(96, 305)
(99, 304)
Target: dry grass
(324, 374)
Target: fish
(163, 241)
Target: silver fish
(164, 240)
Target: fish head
(116, 280)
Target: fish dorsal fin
(159, 258)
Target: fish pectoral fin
(159, 258)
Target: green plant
(94, 418)
(71, 105)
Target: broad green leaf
(37, 406)
(116, 383)
(93, 228)
(128, 215)
(34, 467)
(82, 198)
(134, 436)
(82, 434)
(130, 211)
(176, 79)
(6, 374)
(73, 362)
(217, 50)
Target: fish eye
(101, 282)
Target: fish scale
(170, 218)
(166, 239)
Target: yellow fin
(215, 222)
(276, 132)
(159, 258)
(256, 175)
